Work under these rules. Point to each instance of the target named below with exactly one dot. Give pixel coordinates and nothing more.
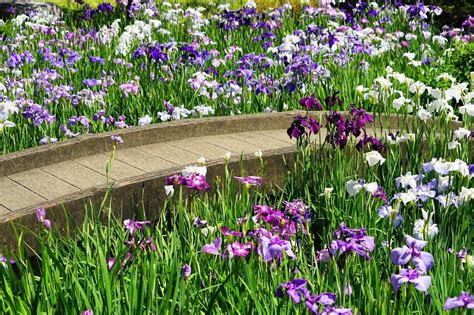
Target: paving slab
(202, 148)
(142, 160)
(170, 153)
(14, 196)
(231, 144)
(76, 174)
(260, 140)
(4, 210)
(44, 184)
(118, 171)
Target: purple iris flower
(169, 107)
(105, 7)
(250, 180)
(424, 261)
(295, 130)
(133, 226)
(14, 60)
(313, 301)
(186, 271)
(88, 312)
(117, 139)
(415, 276)
(228, 232)
(273, 247)
(240, 249)
(213, 248)
(332, 310)
(464, 300)
(5, 260)
(197, 182)
(295, 288)
(41, 216)
(199, 222)
(310, 102)
(352, 240)
(95, 59)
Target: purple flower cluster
(271, 245)
(317, 304)
(423, 262)
(348, 240)
(135, 240)
(193, 181)
(284, 223)
(303, 127)
(464, 300)
(250, 180)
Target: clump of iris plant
(415, 276)
(423, 262)
(348, 240)
(191, 177)
(317, 303)
(465, 300)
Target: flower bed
(108, 68)
(360, 225)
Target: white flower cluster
(7, 108)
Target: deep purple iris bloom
(415, 276)
(295, 288)
(133, 226)
(401, 256)
(186, 271)
(105, 7)
(464, 300)
(273, 247)
(310, 102)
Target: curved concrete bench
(70, 174)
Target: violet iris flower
(331, 310)
(117, 139)
(401, 256)
(186, 271)
(4, 260)
(133, 226)
(274, 247)
(464, 300)
(310, 102)
(250, 180)
(239, 249)
(41, 216)
(352, 240)
(313, 301)
(415, 276)
(228, 232)
(213, 248)
(295, 288)
(88, 312)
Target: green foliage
(69, 273)
(460, 64)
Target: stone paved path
(53, 182)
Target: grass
(71, 273)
